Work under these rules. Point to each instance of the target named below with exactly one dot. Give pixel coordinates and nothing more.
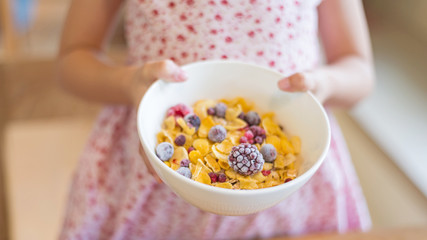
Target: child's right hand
(145, 75)
(142, 78)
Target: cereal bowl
(300, 113)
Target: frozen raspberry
(252, 118)
(179, 110)
(217, 133)
(222, 177)
(180, 140)
(268, 152)
(184, 171)
(288, 180)
(241, 116)
(245, 159)
(185, 163)
(259, 133)
(164, 151)
(190, 149)
(220, 109)
(243, 139)
(192, 120)
(214, 176)
(249, 134)
(257, 130)
(211, 111)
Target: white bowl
(300, 113)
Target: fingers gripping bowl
(301, 113)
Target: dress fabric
(114, 197)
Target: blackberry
(246, 159)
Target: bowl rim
(205, 187)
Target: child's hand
(307, 81)
(142, 78)
(145, 75)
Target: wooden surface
(44, 154)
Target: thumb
(297, 82)
(171, 72)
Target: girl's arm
(348, 76)
(86, 71)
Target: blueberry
(220, 109)
(269, 152)
(192, 120)
(184, 171)
(164, 151)
(217, 133)
(180, 140)
(185, 163)
(252, 118)
(211, 111)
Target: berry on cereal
(222, 177)
(269, 152)
(184, 171)
(211, 111)
(220, 110)
(241, 116)
(180, 140)
(185, 163)
(192, 120)
(213, 176)
(190, 149)
(224, 144)
(252, 118)
(246, 159)
(164, 151)
(179, 110)
(217, 133)
(259, 134)
(243, 139)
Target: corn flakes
(209, 161)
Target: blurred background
(43, 129)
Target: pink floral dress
(114, 197)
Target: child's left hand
(305, 81)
